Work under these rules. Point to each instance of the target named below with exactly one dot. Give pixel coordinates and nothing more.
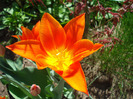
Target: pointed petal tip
(87, 93)
(45, 14)
(22, 27)
(15, 36)
(83, 14)
(75, 78)
(97, 46)
(8, 47)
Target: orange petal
(97, 46)
(75, 77)
(74, 30)
(39, 66)
(36, 29)
(28, 49)
(83, 48)
(52, 35)
(43, 62)
(17, 36)
(27, 34)
(82, 45)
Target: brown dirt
(103, 86)
(3, 89)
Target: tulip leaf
(48, 91)
(4, 64)
(58, 90)
(16, 65)
(12, 81)
(28, 75)
(16, 92)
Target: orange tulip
(61, 49)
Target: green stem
(93, 80)
(90, 97)
(91, 83)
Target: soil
(3, 89)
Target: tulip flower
(61, 49)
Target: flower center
(61, 60)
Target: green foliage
(119, 62)
(16, 92)
(58, 90)
(23, 13)
(27, 76)
(16, 65)
(60, 10)
(13, 18)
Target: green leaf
(68, 93)
(1, 77)
(58, 91)
(48, 90)
(2, 27)
(27, 76)
(11, 80)
(16, 92)
(4, 66)
(16, 65)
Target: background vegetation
(109, 22)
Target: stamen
(61, 60)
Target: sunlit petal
(84, 48)
(74, 30)
(17, 36)
(82, 45)
(43, 62)
(52, 35)
(75, 77)
(28, 49)
(96, 46)
(36, 29)
(40, 66)
(27, 34)
(60, 49)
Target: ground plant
(66, 49)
